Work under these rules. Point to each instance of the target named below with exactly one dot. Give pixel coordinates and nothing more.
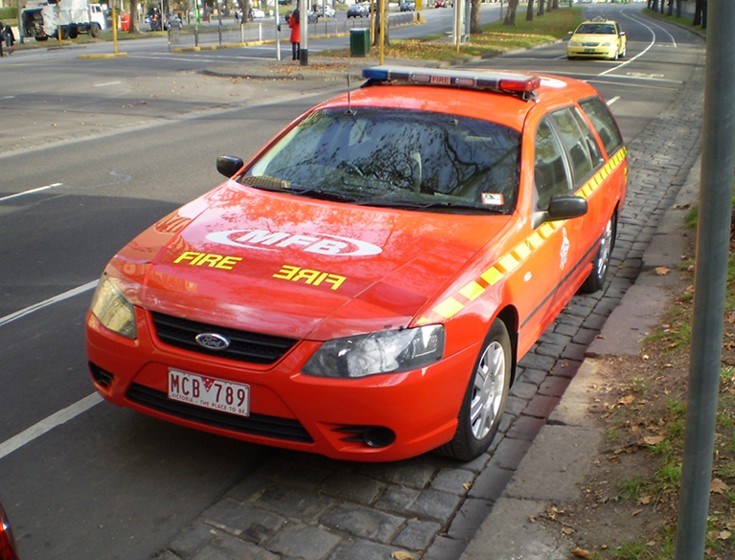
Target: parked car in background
(320, 12)
(172, 21)
(407, 5)
(361, 9)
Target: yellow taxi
(364, 286)
(598, 38)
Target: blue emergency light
(509, 82)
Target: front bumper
(378, 418)
(599, 51)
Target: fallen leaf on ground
(718, 486)
(653, 440)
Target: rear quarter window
(604, 122)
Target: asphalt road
(91, 152)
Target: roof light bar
(467, 79)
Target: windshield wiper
(419, 205)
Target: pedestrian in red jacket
(295, 25)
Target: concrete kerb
(562, 453)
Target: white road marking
(105, 84)
(31, 191)
(56, 299)
(64, 415)
(48, 424)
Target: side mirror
(229, 165)
(566, 207)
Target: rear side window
(603, 121)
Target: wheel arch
(509, 316)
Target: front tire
(596, 280)
(484, 401)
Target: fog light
(378, 437)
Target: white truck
(41, 19)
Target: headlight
(381, 352)
(113, 310)
(574, 43)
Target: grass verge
(629, 508)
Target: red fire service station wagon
(364, 286)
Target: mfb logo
(322, 244)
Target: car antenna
(349, 93)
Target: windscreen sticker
(492, 199)
(309, 276)
(319, 243)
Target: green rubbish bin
(359, 42)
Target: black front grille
(254, 348)
(255, 424)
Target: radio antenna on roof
(349, 93)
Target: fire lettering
(211, 260)
(309, 276)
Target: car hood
(293, 266)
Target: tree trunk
(699, 8)
(475, 26)
(133, 18)
(529, 10)
(376, 40)
(510, 13)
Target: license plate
(209, 392)
(589, 51)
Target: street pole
(114, 26)
(21, 31)
(381, 47)
(304, 31)
(277, 30)
(219, 21)
(710, 282)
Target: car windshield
(396, 157)
(597, 29)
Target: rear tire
(484, 401)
